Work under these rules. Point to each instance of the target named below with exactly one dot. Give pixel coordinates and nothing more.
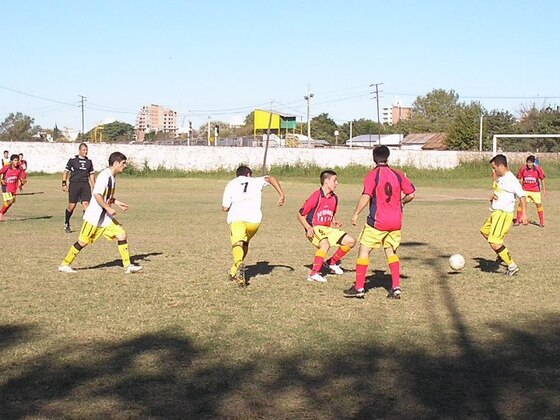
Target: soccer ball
(456, 261)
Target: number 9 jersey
(243, 198)
(385, 187)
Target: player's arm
(272, 180)
(65, 180)
(106, 206)
(362, 203)
(92, 179)
(123, 206)
(518, 191)
(303, 221)
(541, 178)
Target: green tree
(115, 132)
(497, 122)
(434, 112)
(465, 129)
(18, 127)
(540, 121)
(323, 128)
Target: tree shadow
(262, 268)
(12, 334)
(118, 262)
(163, 374)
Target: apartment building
(396, 113)
(155, 118)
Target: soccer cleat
(317, 278)
(63, 268)
(511, 270)
(354, 293)
(133, 269)
(67, 228)
(395, 293)
(335, 268)
(240, 276)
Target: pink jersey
(10, 178)
(385, 187)
(319, 208)
(530, 178)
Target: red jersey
(320, 208)
(530, 178)
(385, 187)
(10, 178)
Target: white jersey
(243, 197)
(105, 186)
(506, 189)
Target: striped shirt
(104, 186)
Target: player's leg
(114, 231)
(318, 260)
(537, 199)
(88, 234)
(73, 198)
(391, 243)
(239, 246)
(369, 239)
(501, 224)
(8, 201)
(345, 243)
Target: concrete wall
(52, 157)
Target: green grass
(178, 340)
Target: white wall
(52, 157)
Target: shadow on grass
(486, 265)
(164, 375)
(23, 219)
(118, 262)
(262, 268)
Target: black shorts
(79, 192)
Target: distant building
(396, 113)
(425, 141)
(372, 140)
(155, 118)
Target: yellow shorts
(373, 238)
(533, 197)
(333, 235)
(497, 226)
(90, 233)
(243, 231)
(7, 196)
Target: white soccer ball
(456, 261)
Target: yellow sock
(125, 254)
(72, 254)
(238, 256)
(504, 254)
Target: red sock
(395, 267)
(4, 209)
(540, 210)
(518, 220)
(318, 261)
(361, 270)
(339, 254)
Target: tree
(464, 131)
(18, 127)
(323, 128)
(115, 132)
(434, 112)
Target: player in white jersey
(506, 189)
(99, 217)
(242, 202)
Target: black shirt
(80, 168)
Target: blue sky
(222, 58)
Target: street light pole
(377, 100)
(308, 98)
(83, 98)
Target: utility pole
(308, 98)
(351, 141)
(480, 133)
(208, 130)
(83, 98)
(377, 91)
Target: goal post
(495, 138)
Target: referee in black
(79, 185)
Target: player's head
(117, 161)
(20, 156)
(6, 154)
(14, 159)
(381, 154)
(530, 161)
(329, 179)
(243, 171)
(83, 150)
(499, 164)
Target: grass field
(179, 340)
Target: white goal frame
(495, 138)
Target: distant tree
(57, 134)
(540, 121)
(323, 128)
(464, 132)
(434, 112)
(18, 127)
(497, 122)
(115, 132)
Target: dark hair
(381, 154)
(5, 151)
(21, 154)
(531, 159)
(243, 171)
(14, 157)
(116, 157)
(326, 175)
(82, 144)
(499, 160)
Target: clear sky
(223, 58)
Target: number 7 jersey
(242, 196)
(385, 187)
